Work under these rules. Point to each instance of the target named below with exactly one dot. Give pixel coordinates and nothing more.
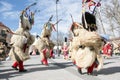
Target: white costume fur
(21, 37)
(85, 48)
(44, 42)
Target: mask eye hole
(82, 46)
(91, 48)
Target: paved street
(58, 69)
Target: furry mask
(47, 29)
(26, 21)
(75, 28)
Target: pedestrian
(65, 51)
(107, 50)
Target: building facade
(5, 37)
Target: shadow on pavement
(110, 70)
(54, 67)
(8, 73)
(27, 65)
(108, 63)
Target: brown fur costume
(44, 42)
(21, 40)
(85, 49)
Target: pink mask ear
(53, 27)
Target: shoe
(41, 62)
(74, 62)
(44, 62)
(93, 74)
(15, 68)
(24, 70)
(79, 70)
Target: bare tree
(101, 27)
(61, 36)
(111, 15)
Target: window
(3, 33)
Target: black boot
(15, 68)
(24, 70)
(79, 70)
(93, 74)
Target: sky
(10, 11)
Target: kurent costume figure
(21, 41)
(86, 45)
(44, 44)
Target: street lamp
(57, 27)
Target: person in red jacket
(107, 50)
(65, 51)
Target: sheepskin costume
(44, 44)
(75, 29)
(21, 41)
(86, 43)
(85, 47)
